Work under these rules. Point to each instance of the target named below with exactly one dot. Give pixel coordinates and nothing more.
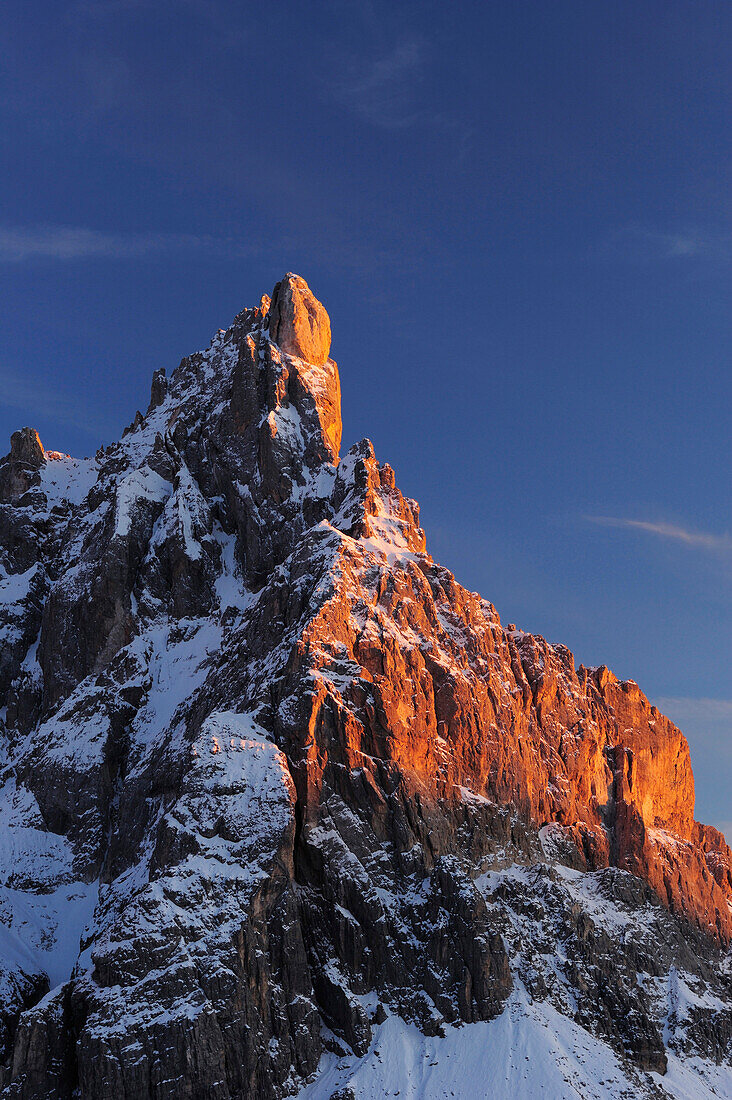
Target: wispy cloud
(695, 243)
(642, 243)
(384, 91)
(702, 540)
(64, 242)
(387, 92)
(703, 710)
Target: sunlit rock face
(298, 322)
(269, 767)
(300, 326)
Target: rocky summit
(285, 810)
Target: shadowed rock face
(19, 469)
(25, 446)
(271, 766)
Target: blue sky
(518, 216)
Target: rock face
(298, 323)
(19, 469)
(26, 447)
(270, 768)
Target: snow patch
(529, 1052)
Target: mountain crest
(274, 780)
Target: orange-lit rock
(453, 705)
(298, 323)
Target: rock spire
(298, 323)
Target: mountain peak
(269, 769)
(298, 322)
(19, 469)
(26, 446)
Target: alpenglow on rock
(285, 810)
(298, 322)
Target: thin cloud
(339, 247)
(63, 242)
(695, 242)
(684, 243)
(709, 711)
(384, 93)
(702, 540)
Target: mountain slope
(278, 790)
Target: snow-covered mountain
(284, 810)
